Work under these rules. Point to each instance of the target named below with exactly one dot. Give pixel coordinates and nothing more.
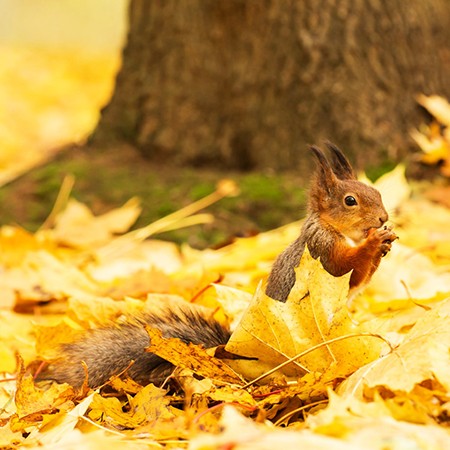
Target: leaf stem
(315, 347)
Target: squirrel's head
(343, 202)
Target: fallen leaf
(241, 433)
(406, 274)
(371, 426)
(315, 312)
(42, 277)
(16, 336)
(421, 357)
(76, 226)
(38, 406)
(62, 428)
(149, 405)
(190, 356)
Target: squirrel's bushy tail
(109, 351)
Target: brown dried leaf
(192, 357)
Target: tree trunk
(249, 83)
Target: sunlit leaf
(77, 226)
(422, 356)
(150, 405)
(190, 356)
(385, 352)
(315, 312)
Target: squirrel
(344, 228)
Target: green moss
(105, 181)
(201, 190)
(259, 187)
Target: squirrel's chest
(350, 242)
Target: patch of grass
(259, 187)
(201, 190)
(106, 179)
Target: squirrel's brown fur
(345, 237)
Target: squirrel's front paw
(382, 238)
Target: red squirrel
(344, 227)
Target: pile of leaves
(319, 371)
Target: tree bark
(248, 84)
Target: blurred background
(59, 61)
(162, 99)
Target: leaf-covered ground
(325, 372)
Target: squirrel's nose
(384, 218)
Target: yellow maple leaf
(433, 140)
(435, 148)
(315, 313)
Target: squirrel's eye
(350, 200)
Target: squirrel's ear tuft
(325, 178)
(341, 166)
